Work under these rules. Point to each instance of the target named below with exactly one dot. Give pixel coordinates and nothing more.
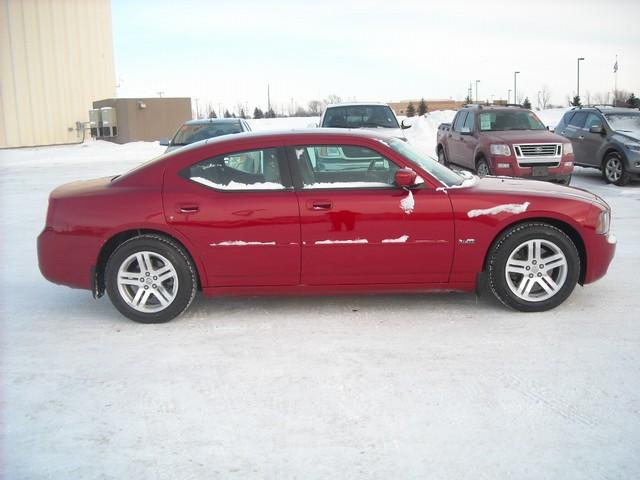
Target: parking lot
(386, 386)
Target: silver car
(195, 130)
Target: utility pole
(578, 86)
(509, 96)
(477, 82)
(268, 99)
(197, 110)
(539, 99)
(160, 94)
(515, 87)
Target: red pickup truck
(504, 140)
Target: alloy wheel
(536, 270)
(147, 282)
(613, 169)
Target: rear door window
(250, 170)
(578, 119)
(459, 121)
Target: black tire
(614, 170)
(162, 247)
(510, 243)
(482, 167)
(442, 157)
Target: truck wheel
(482, 167)
(613, 169)
(442, 157)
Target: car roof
(605, 110)
(357, 104)
(204, 121)
(306, 132)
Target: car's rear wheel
(613, 169)
(442, 157)
(150, 279)
(533, 267)
(482, 167)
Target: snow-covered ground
(449, 386)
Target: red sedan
(319, 211)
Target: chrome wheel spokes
(147, 281)
(536, 270)
(613, 169)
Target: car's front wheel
(482, 167)
(613, 169)
(533, 267)
(150, 279)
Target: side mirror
(403, 126)
(165, 142)
(405, 177)
(596, 129)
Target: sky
(225, 53)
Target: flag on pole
(615, 66)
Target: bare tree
(333, 98)
(620, 97)
(315, 106)
(545, 96)
(601, 98)
(587, 98)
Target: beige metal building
(400, 108)
(56, 57)
(146, 119)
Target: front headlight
(604, 222)
(499, 149)
(567, 148)
(634, 147)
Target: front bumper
(509, 167)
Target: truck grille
(538, 154)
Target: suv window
(578, 119)
(194, 133)
(252, 170)
(343, 166)
(460, 119)
(592, 120)
(468, 123)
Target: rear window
(374, 116)
(194, 133)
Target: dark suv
(606, 138)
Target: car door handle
(319, 205)
(188, 208)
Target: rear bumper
(67, 258)
(600, 252)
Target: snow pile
(407, 204)
(401, 239)
(423, 134)
(552, 116)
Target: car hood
(391, 132)
(635, 136)
(524, 136)
(533, 188)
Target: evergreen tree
(411, 110)
(422, 107)
(227, 114)
(257, 113)
(575, 102)
(212, 113)
(270, 114)
(526, 104)
(468, 100)
(242, 114)
(633, 101)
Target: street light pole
(578, 86)
(509, 96)
(515, 87)
(477, 82)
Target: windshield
(501, 120)
(624, 122)
(428, 164)
(375, 116)
(194, 133)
